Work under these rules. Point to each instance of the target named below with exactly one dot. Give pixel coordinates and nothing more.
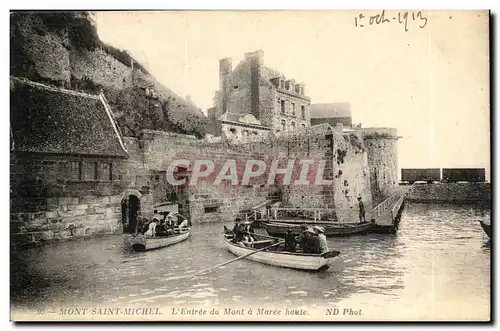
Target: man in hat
(290, 241)
(169, 223)
(361, 211)
(323, 244)
(238, 234)
(312, 245)
(301, 239)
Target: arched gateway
(131, 208)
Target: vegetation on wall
(136, 109)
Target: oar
(236, 259)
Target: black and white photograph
(240, 165)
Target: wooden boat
(142, 243)
(278, 229)
(486, 228)
(276, 257)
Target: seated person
(182, 221)
(301, 238)
(238, 234)
(161, 228)
(157, 216)
(290, 241)
(323, 244)
(151, 232)
(312, 243)
(169, 224)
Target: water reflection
(435, 255)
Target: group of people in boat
(162, 224)
(243, 232)
(312, 240)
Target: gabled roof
(47, 119)
(329, 110)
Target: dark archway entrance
(181, 191)
(131, 207)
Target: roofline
(257, 126)
(113, 124)
(114, 156)
(53, 88)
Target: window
(255, 133)
(105, 173)
(232, 130)
(72, 170)
(293, 125)
(303, 111)
(245, 133)
(235, 87)
(283, 125)
(211, 209)
(287, 85)
(111, 171)
(282, 106)
(292, 108)
(90, 171)
(303, 125)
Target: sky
(429, 78)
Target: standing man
(361, 211)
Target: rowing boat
(141, 243)
(280, 258)
(278, 229)
(486, 228)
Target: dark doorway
(131, 208)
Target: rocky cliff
(63, 49)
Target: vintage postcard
(250, 166)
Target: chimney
(256, 60)
(225, 69)
(189, 101)
(258, 55)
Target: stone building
(279, 103)
(331, 113)
(65, 158)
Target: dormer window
(287, 85)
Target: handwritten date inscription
(404, 18)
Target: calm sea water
(435, 268)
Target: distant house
(253, 90)
(331, 113)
